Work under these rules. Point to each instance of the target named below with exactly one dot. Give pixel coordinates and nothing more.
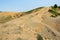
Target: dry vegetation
(38, 25)
(8, 16)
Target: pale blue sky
(25, 5)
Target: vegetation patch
(53, 10)
(55, 14)
(0, 38)
(0, 11)
(39, 37)
(4, 19)
(28, 12)
(18, 39)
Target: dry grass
(29, 27)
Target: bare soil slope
(29, 26)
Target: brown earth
(29, 26)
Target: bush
(55, 6)
(53, 10)
(54, 13)
(39, 37)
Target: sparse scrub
(28, 12)
(4, 19)
(53, 33)
(18, 39)
(0, 38)
(0, 11)
(54, 13)
(17, 15)
(53, 10)
(39, 37)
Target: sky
(25, 5)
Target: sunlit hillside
(37, 24)
(7, 16)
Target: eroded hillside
(38, 25)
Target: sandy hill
(37, 25)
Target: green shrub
(54, 13)
(55, 6)
(39, 37)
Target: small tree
(55, 6)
